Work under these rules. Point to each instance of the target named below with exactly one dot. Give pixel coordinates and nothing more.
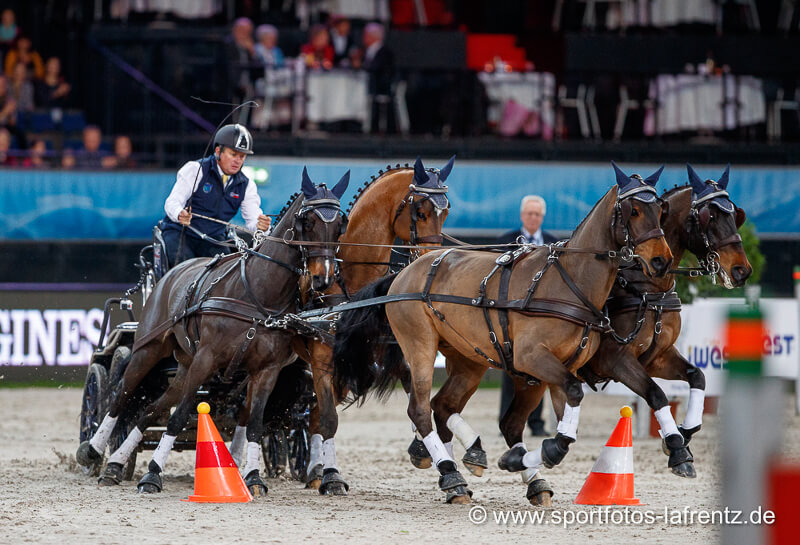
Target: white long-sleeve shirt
(186, 184)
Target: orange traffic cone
(216, 477)
(611, 479)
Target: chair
(752, 13)
(41, 122)
(589, 13)
(776, 109)
(578, 103)
(73, 122)
(626, 104)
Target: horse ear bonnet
(712, 191)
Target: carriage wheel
(93, 408)
(273, 447)
(298, 453)
(127, 420)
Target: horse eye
(634, 212)
(422, 216)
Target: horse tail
(366, 356)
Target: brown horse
(405, 203)
(552, 331)
(700, 219)
(212, 314)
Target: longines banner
(47, 327)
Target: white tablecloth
(188, 9)
(688, 102)
(360, 9)
(337, 95)
(662, 13)
(533, 91)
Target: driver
(215, 187)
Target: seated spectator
(25, 54)
(22, 88)
(240, 54)
(267, 50)
(123, 153)
(38, 155)
(9, 31)
(341, 40)
(318, 52)
(91, 156)
(51, 91)
(8, 157)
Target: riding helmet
(236, 137)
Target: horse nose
(321, 282)
(740, 274)
(660, 265)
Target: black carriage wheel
(298, 457)
(93, 406)
(273, 448)
(127, 419)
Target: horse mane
(674, 189)
(374, 179)
(589, 215)
(286, 215)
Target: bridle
(414, 199)
(698, 228)
(623, 209)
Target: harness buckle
(251, 333)
(627, 254)
(584, 342)
(658, 328)
(493, 337)
(612, 254)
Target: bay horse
(209, 318)
(701, 219)
(552, 329)
(409, 204)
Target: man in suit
(532, 210)
(379, 63)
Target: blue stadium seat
(73, 121)
(41, 122)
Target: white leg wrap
(437, 449)
(569, 423)
(162, 450)
(533, 460)
(253, 458)
(528, 475)
(237, 444)
(666, 422)
(121, 455)
(449, 448)
(315, 452)
(100, 439)
(694, 409)
(329, 453)
(463, 431)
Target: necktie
(225, 180)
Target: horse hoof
(112, 476)
(87, 456)
(459, 499)
(664, 447)
(475, 470)
(150, 483)
(539, 493)
(314, 484)
(333, 485)
(419, 455)
(686, 469)
(475, 460)
(255, 485)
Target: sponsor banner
(53, 325)
(701, 342)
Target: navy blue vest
(212, 200)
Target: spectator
(51, 91)
(38, 155)
(379, 62)
(240, 54)
(318, 52)
(123, 153)
(341, 40)
(91, 156)
(267, 50)
(8, 106)
(9, 31)
(21, 88)
(531, 213)
(9, 156)
(25, 54)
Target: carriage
(286, 418)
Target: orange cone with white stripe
(611, 479)
(216, 477)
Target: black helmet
(236, 137)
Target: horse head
(713, 232)
(321, 220)
(420, 216)
(637, 220)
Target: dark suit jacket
(381, 72)
(511, 236)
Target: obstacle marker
(611, 479)
(216, 477)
